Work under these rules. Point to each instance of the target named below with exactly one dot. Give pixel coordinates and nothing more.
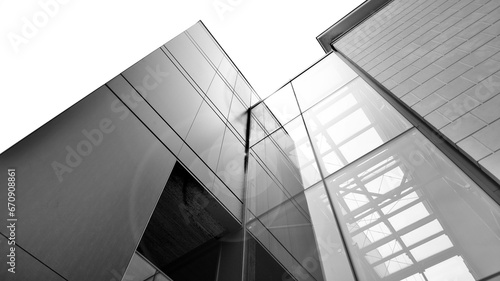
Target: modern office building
(359, 168)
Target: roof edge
(349, 21)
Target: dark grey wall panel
(87, 183)
(27, 268)
(145, 113)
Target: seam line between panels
(335, 216)
(175, 132)
(34, 257)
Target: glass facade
(181, 172)
(382, 201)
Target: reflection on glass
(408, 213)
(264, 191)
(228, 72)
(321, 80)
(257, 133)
(331, 250)
(255, 98)
(349, 123)
(283, 104)
(138, 269)
(289, 223)
(288, 156)
(243, 90)
(206, 43)
(220, 95)
(205, 135)
(265, 118)
(191, 59)
(295, 144)
(230, 163)
(238, 117)
(159, 82)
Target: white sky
(83, 44)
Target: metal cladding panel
(87, 183)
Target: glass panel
(294, 142)
(393, 265)
(206, 43)
(383, 251)
(405, 207)
(283, 104)
(220, 95)
(289, 223)
(225, 195)
(255, 98)
(205, 135)
(243, 90)
(265, 118)
(166, 89)
(431, 248)
(257, 133)
(228, 71)
(332, 253)
(321, 80)
(264, 191)
(145, 112)
(230, 163)
(138, 269)
(190, 58)
(351, 122)
(279, 163)
(89, 210)
(451, 269)
(238, 117)
(422, 232)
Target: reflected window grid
(396, 229)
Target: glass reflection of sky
(396, 229)
(351, 122)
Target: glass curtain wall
(342, 187)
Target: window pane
(206, 43)
(283, 104)
(243, 90)
(331, 250)
(265, 118)
(166, 89)
(238, 117)
(451, 269)
(405, 206)
(431, 248)
(351, 122)
(228, 71)
(321, 80)
(220, 95)
(191, 59)
(205, 135)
